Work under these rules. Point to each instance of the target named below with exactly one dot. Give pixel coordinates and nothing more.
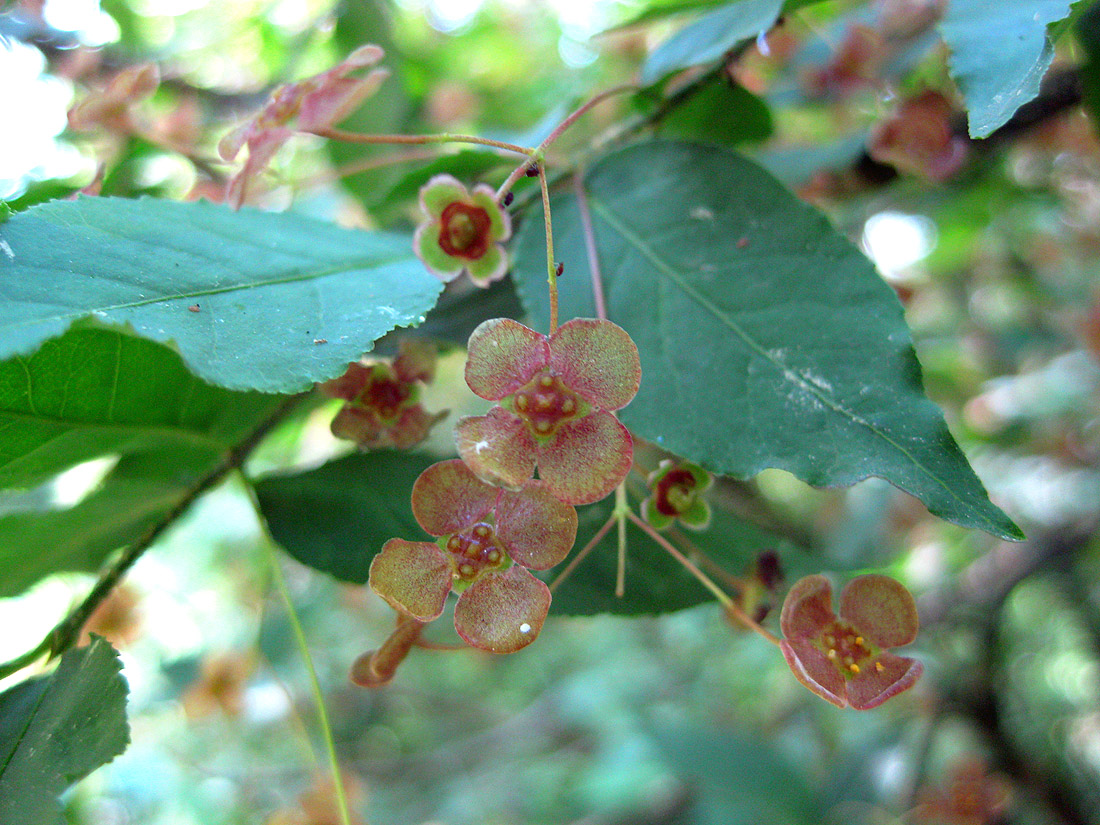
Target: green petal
(703, 477)
(502, 612)
(655, 517)
(808, 608)
(497, 447)
(537, 529)
(490, 267)
(598, 360)
(413, 577)
(500, 223)
(697, 516)
(448, 497)
(438, 193)
(431, 254)
(880, 608)
(586, 458)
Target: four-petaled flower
(383, 408)
(677, 489)
(462, 232)
(317, 102)
(487, 537)
(844, 659)
(556, 397)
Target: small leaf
(999, 54)
(766, 338)
(56, 729)
(711, 36)
(244, 295)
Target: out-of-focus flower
(117, 619)
(856, 64)
(971, 796)
(316, 103)
(919, 138)
(317, 804)
(845, 659)
(383, 409)
(677, 489)
(556, 397)
(487, 538)
(463, 231)
(220, 686)
(112, 107)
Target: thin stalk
(367, 164)
(622, 509)
(417, 140)
(66, 633)
(551, 266)
(590, 245)
(577, 559)
(730, 606)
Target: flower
(462, 231)
(844, 659)
(112, 107)
(677, 494)
(487, 540)
(317, 102)
(919, 138)
(556, 397)
(382, 408)
(970, 796)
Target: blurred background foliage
(679, 718)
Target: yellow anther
(879, 667)
(853, 667)
(859, 640)
(832, 653)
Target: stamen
(853, 667)
(859, 640)
(832, 653)
(879, 667)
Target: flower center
(675, 493)
(385, 394)
(846, 648)
(545, 403)
(474, 550)
(464, 230)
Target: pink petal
(871, 686)
(808, 608)
(413, 577)
(337, 99)
(598, 360)
(447, 498)
(413, 427)
(497, 447)
(502, 612)
(814, 670)
(415, 361)
(349, 385)
(586, 458)
(537, 529)
(881, 608)
(366, 55)
(503, 356)
(359, 424)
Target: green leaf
(56, 729)
(468, 165)
(669, 8)
(93, 393)
(337, 517)
(710, 37)
(253, 300)
(721, 112)
(1088, 34)
(1000, 52)
(766, 338)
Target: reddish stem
(376, 668)
(590, 246)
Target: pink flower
(487, 539)
(844, 659)
(317, 102)
(462, 231)
(383, 408)
(112, 107)
(556, 397)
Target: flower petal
(657, 520)
(413, 577)
(350, 384)
(810, 666)
(490, 267)
(447, 498)
(586, 458)
(415, 361)
(502, 612)
(598, 360)
(881, 608)
(808, 608)
(336, 99)
(537, 530)
(697, 516)
(497, 447)
(359, 424)
(503, 355)
(500, 223)
(438, 193)
(431, 254)
(413, 427)
(871, 686)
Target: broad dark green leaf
(1088, 33)
(711, 36)
(92, 393)
(766, 338)
(999, 54)
(253, 300)
(464, 306)
(56, 729)
(337, 517)
(721, 112)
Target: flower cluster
(382, 408)
(845, 659)
(463, 231)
